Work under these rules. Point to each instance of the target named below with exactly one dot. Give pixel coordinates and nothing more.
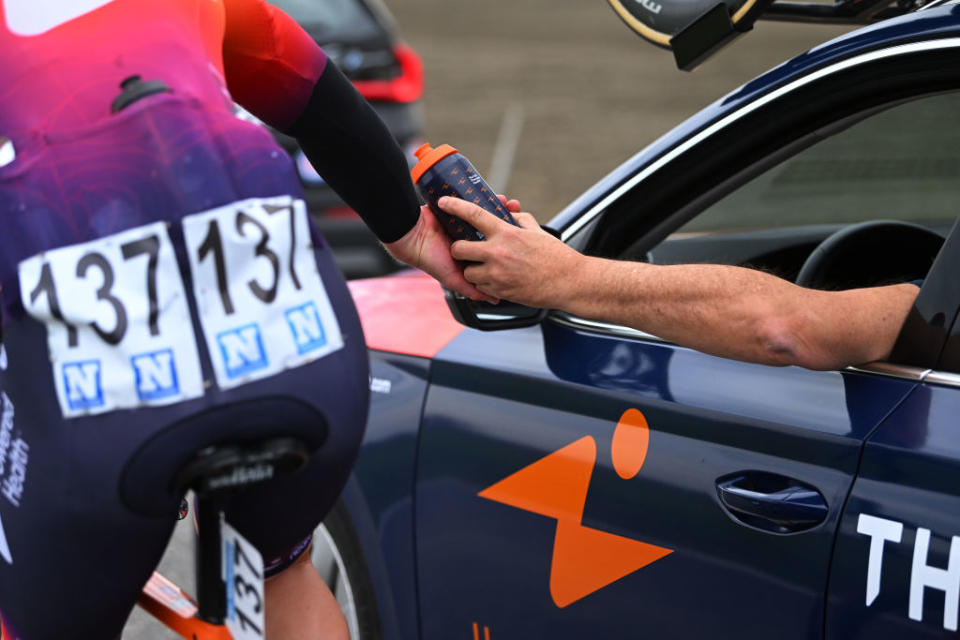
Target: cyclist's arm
(275, 70)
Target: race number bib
(262, 303)
(118, 323)
(242, 573)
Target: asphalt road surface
(545, 98)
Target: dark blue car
(563, 478)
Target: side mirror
(495, 317)
(492, 317)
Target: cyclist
(162, 292)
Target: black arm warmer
(350, 146)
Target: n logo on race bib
(242, 350)
(83, 384)
(33, 17)
(306, 327)
(155, 375)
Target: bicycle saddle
(223, 468)
(232, 445)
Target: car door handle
(772, 502)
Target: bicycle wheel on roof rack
(692, 29)
(695, 29)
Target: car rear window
(332, 20)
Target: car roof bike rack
(695, 30)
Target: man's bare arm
(744, 314)
(722, 310)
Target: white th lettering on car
(880, 530)
(947, 580)
(922, 575)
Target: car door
(513, 559)
(577, 479)
(896, 569)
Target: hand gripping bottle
(442, 171)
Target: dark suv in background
(360, 36)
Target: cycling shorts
(163, 291)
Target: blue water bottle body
(445, 172)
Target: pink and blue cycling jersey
(70, 170)
(84, 161)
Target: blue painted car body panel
(379, 496)
(501, 401)
(910, 476)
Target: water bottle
(442, 171)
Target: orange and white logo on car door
(33, 17)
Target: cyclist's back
(78, 51)
(61, 66)
(162, 290)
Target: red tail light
(406, 87)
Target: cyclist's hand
(427, 247)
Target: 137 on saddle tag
(262, 303)
(242, 575)
(118, 322)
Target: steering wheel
(869, 254)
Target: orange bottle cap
(427, 156)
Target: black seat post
(215, 474)
(211, 595)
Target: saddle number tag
(262, 303)
(118, 321)
(242, 575)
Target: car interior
(865, 201)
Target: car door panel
(518, 563)
(908, 483)
(379, 494)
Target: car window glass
(866, 206)
(901, 164)
(342, 19)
